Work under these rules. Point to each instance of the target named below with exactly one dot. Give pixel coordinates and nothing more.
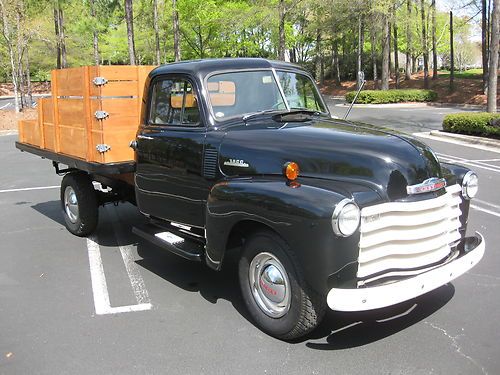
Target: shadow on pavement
(341, 330)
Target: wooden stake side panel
(67, 121)
(29, 132)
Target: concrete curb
(12, 97)
(468, 139)
(8, 132)
(457, 105)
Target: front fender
(299, 213)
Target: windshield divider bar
(282, 93)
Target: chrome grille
(400, 236)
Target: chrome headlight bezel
(470, 185)
(339, 214)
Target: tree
(493, 58)
(95, 37)
(408, 40)
(60, 35)
(175, 21)
(129, 17)
(386, 51)
(434, 42)
(425, 48)
(484, 43)
(452, 54)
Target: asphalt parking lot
(164, 315)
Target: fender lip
(363, 299)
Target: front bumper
(370, 298)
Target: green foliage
(482, 124)
(470, 74)
(392, 96)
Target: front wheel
(79, 204)
(274, 290)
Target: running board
(180, 246)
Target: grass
(468, 74)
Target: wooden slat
(73, 141)
(55, 104)
(118, 72)
(29, 132)
(48, 110)
(40, 123)
(72, 112)
(123, 114)
(120, 145)
(70, 82)
(88, 118)
(142, 75)
(49, 136)
(115, 88)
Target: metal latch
(100, 81)
(102, 148)
(101, 115)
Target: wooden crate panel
(47, 106)
(115, 88)
(70, 82)
(123, 114)
(49, 136)
(71, 112)
(73, 141)
(115, 72)
(118, 140)
(29, 132)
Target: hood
(329, 149)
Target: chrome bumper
(390, 294)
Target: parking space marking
(99, 286)
(5, 106)
(456, 142)
(477, 164)
(29, 189)
(134, 275)
(485, 210)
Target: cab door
(169, 154)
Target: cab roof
(205, 66)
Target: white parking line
(136, 280)
(100, 287)
(6, 105)
(29, 189)
(485, 210)
(456, 142)
(456, 159)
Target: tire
(79, 204)
(280, 303)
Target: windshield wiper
(253, 114)
(301, 114)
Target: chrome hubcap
(270, 285)
(71, 204)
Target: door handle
(140, 136)
(133, 145)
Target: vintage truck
(242, 155)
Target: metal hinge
(102, 148)
(100, 115)
(100, 81)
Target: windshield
(235, 94)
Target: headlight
(470, 185)
(345, 218)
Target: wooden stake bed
(92, 115)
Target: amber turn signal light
(291, 170)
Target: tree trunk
(282, 41)
(396, 57)
(336, 67)
(493, 59)
(452, 54)
(10, 47)
(175, 19)
(157, 32)
(361, 43)
(129, 17)
(58, 37)
(434, 42)
(425, 50)
(19, 62)
(95, 35)
(484, 44)
(64, 62)
(408, 41)
(386, 52)
(28, 79)
(373, 56)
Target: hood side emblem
(431, 184)
(236, 163)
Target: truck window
(174, 102)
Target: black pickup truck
(243, 155)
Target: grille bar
(399, 236)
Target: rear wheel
(274, 290)
(79, 204)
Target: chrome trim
(335, 216)
(464, 187)
(71, 205)
(431, 184)
(280, 88)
